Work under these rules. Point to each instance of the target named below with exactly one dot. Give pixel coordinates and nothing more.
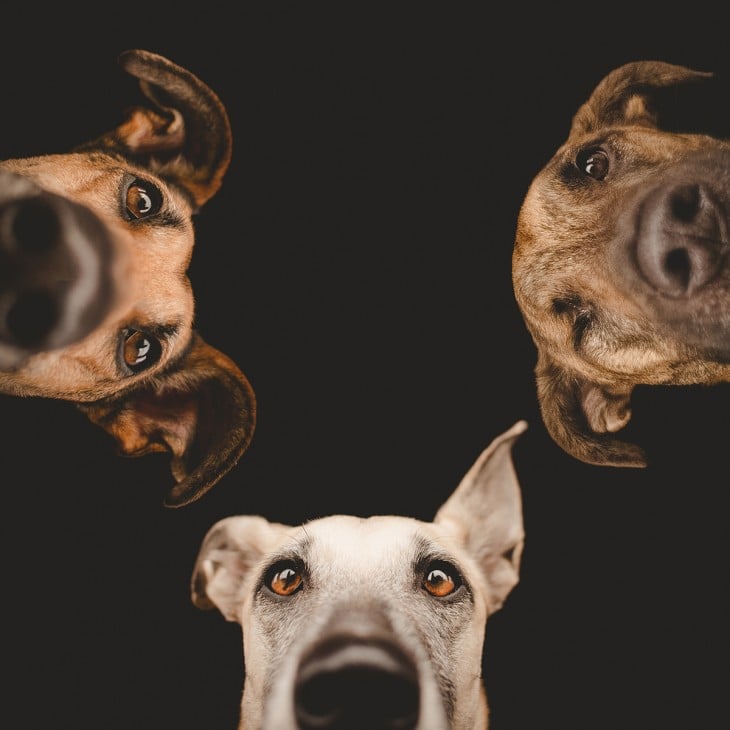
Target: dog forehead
(366, 541)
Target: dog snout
(56, 282)
(672, 256)
(682, 241)
(347, 682)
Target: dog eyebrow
(297, 546)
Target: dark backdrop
(356, 265)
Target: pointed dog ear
(628, 94)
(485, 514)
(202, 411)
(185, 135)
(230, 550)
(578, 414)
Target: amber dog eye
(593, 162)
(140, 351)
(283, 579)
(441, 579)
(143, 199)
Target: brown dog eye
(140, 351)
(283, 579)
(143, 199)
(593, 162)
(441, 579)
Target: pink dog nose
(682, 240)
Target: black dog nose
(353, 685)
(55, 271)
(682, 239)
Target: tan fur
(192, 401)
(362, 622)
(594, 261)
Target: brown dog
(95, 304)
(621, 265)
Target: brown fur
(192, 401)
(623, 276)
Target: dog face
(95, 304)
(621, 264)
(373, 622)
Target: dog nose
(682, 240)
(348, 683)
(56, 284)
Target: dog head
(621, 264)
(95, 304)
(375, 622)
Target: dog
(621, 259)
(375, 622)
(95, 304)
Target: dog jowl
(95, 304)
(621, 264)
(378, 622)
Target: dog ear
(485, 513)
(232, 547)
(185, 136)
(202, 411)
(578, 414)
(629, 94)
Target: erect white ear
(485, 513)
(231, 548)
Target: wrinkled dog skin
(376, 622)
(95, 304)
(621, 264)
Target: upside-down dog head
(95, 304)
(621, 264)
(376, 622)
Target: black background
(356, 265)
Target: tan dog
(95, 304)
(621, 265)
(375, 622)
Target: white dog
(376, 622)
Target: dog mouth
(672, 254)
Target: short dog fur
(621, 263)
(95, 304)
(376, 622)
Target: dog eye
(441, 579)
(593, 162)
(143, 199)
(140, 351)
(283, 579)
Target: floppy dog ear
(202, 411)
(231, 548)
(485, 514)
(628, 94)
(578, 414)
(185, 135)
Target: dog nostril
(35, 227)
(678, 267)
(685, 203)
(31, 318)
